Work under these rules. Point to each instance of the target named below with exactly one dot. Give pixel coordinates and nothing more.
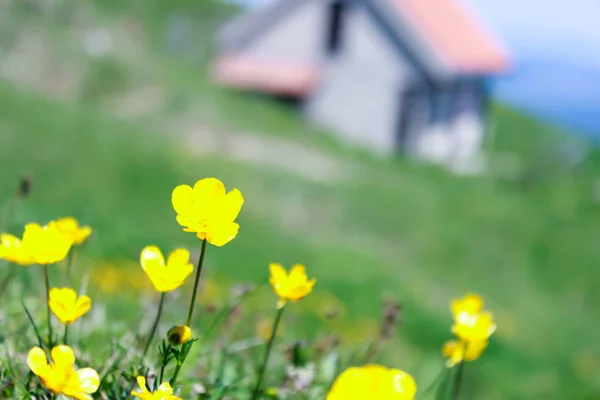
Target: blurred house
(390, 75)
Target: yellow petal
(404, 385)
(82, 235)
(62, 303)
(207, 191)
(182, 199)
(63, 358)
(278, 274)
(143, 392)
(67, 224)
(164, 389)
(37, 361)
(64, 295)
(151, 255)
(470, 304)
(221, 234)
(178, 257)
(32, 229)
(456, 351)
(82, 306)
(474, 327)
(152, 261)
(298, 273)
(8, 240)
(232, 205)
(46, 245)
(84, 381)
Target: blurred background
(108, 105)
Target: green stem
(459, 375)
(155, 324)
(373, 349)
(263, 368)
(66, 337)
(7, 278)
(47, 280)
(196, 282)
(182, 356)
(436, 381)
(176, 373)
(70, 266)
(164, 365)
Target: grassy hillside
(524, 237)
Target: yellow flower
(60, 377)
(208, 211)
(455, 351)
(12, 250)
(70, 227)
(66, 306)
(166, 278)
(164, 391)
(373, 382)
(179, 335)
(470, 304)
(45, 244)
(471, 324)
(292, 287)
(474, 327)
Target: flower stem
(66, 337)
(176, 373)
(165, 361)
(263, 368)
(70, 266)
(7, 278)
(196, 282)
(47, 280)
(459, 375)
(436, 381)
(155, 324)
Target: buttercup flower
(471, 324)
(179, 335)
(166, 278)
(208, 211)
(13, 250)
(60, 376)
(373, 382)
(45, 244)
(70, 227)
(292, 287)
(164, 391)
(67, 307)
(456, 351)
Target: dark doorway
(335, 26)
(413, 115)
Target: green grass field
(379, 229)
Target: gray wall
(296, 38)
(359, 94)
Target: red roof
(279, 77)
(455, 34)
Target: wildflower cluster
(208, 211)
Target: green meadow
(524, 236)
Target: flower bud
(24, 186)
(178, 335)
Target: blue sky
(556, 48)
